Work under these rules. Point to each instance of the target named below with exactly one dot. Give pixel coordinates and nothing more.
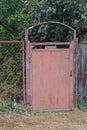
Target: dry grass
(75, 120)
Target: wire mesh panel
(11, 70)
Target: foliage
(7, 106)
(82, 103)
(16, 15)
(11, 106)
(11, 70)
(69, 12)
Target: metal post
(23, 73)
(27, 68)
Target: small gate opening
(38, 47)
(61, 46)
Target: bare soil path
(76, 120)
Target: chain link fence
(11, 70)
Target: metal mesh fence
(11, 70)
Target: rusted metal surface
(23, 73)
(51, 86)
(50, 43)
(27, 68)
(49, 79)
(13, 41)
(72, 75)
(22, 51)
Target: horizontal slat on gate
(51, 50)
(50, 43)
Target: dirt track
(76, 120)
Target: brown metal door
(51, 79)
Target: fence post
(76, 73)
(27, 68)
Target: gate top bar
(50, 43)
(54, 22)
(12, 41)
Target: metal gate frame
(28, 57)
(23, 69)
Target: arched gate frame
(50, 73)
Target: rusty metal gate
(50, 74)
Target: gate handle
(70, 73)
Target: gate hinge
(30, 100)
(30, 58)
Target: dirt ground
(76, 120)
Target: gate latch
(70, 73)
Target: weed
(82, 103)
(11, 106)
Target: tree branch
(8, 28)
